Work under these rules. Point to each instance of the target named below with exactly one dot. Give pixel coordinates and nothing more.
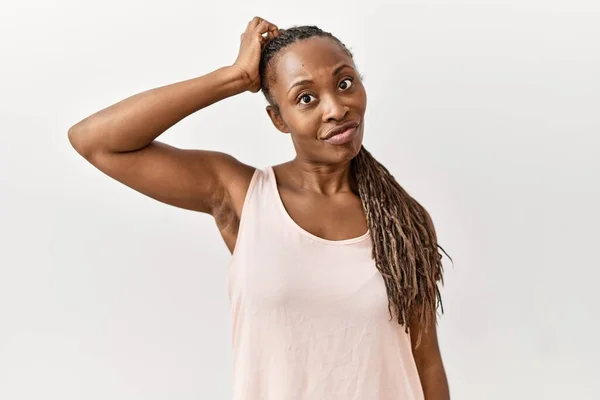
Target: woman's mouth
(342, 137)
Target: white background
(487, 112)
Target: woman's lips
(343, 137)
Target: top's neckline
(291, 222)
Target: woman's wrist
(241, 79)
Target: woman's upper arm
(430, 366)
(428, 351)
(198, 180)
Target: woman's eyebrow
(341, 67)
(298, 83)
(307, 81)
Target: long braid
(402, 232)
(404, 243)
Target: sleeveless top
(310, 317)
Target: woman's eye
(305, 97)
(345, 84)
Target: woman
(334, 272)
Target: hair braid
(404, 243)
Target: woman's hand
(257, 33)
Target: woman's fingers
(261, 27)
(266, 27)
(273, 31)
(254, 23)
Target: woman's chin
(346, 152)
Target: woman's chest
(333, 280)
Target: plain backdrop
(487, 112)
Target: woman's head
(311, 83)
(331, 93)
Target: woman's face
(317, 88)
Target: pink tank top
(310, 316)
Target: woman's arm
(120, 140)
(135, 122)
(429, 364)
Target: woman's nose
(334, 110)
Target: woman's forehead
(310, 57)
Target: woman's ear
(277, 120)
